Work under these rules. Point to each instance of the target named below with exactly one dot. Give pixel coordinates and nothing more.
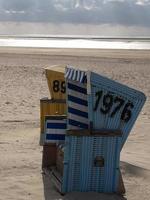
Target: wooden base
(49, 155)
(100, 132)
(59, 161)
(121, 188)
(55, 177)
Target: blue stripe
(77, 112)
(78, 124)
(77, 88)
(56, 125)
(55, 137)
(77, 100)
(84, 79)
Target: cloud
(16, 5)
(143, 2)
(123, 12)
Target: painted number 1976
(108, 107)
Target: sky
(126, 13)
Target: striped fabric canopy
(75, 75)
(76, 98)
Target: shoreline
(75, 43)
(99, 53)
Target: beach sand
(23, 83)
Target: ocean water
(76, 42)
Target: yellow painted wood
(57, 104)
(51, 107)
(56, 81)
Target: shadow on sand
(128, 170)
(51, 193)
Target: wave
(82, 42)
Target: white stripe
(71, 127)
(55, 131)
(78, 75)
(82, 76)
(77, 106)
(77, 94)
(61, 121)
(78, 118)
(66, 72)
(74, 75)
(52, 141)
(70, 73)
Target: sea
(75, 42)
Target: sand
(23, 83)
